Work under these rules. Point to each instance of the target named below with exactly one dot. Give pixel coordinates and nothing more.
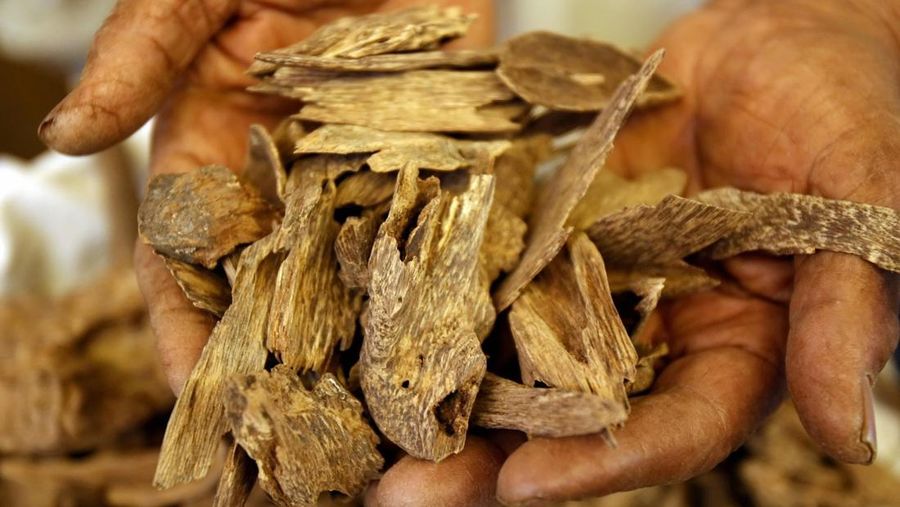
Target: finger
(181, 329)
(467, 478)
(843, 330)
(135, 59)
(703, 406)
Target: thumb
(137, 55)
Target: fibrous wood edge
(304, 442)
(312, 310)
(414, 101)
(543, 412)
(789, 224)
(353, 246)
(570, 74)
(236, 345)
(409, 30)
(421, 361)
(680, 278)
(202, 215)
(263, 169)
(237, 479)
(567, 331)
(610, 192)
(549, 229)
(394, 62)
(204, 288)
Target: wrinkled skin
(789, 95)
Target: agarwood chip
(504, 242)
(304, 442)
(789, 224)
(680, 278)
(353, 246)
(663, 233)
(312, 310)
(504, 404)
(394, 62)
(325, 167)
(202, 215)
(515, 169)
(549, 229)
(236, 345)
(421, 361)
(415, 101)
(571, 74)
(645, 370)
(409, 30)
(365, 189)
(237, 479)
(390, 150)
(264, 170)
(610, 192)
(204, 288)
(285, 137)
(567, 331)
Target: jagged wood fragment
(324, 166)
(394, 62)
(549, 229)
(662, 234)
(421, 361)
(285, 136)
(789, 224)
(312, 310)
(415, 101)
(304, 442)
(204, 288)
(570, 74)
(202, 215)
(353, 246)
(610, 193)
(567, 331)
(543, 412)
(681, 278)
(365, 188)
(236, 345)
(409, 30)
(645, 370)
(237, 479)
(264, 170)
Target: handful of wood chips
(359, 261)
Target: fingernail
(867, 434)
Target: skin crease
(789, 95)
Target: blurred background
(82, 397)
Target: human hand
(184, 61)
(795, 96)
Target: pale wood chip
(395, 62)
(237, 479)
(542, 412)
(353, 246)
(236, 345)
(365, 189)
(415, 101)
(264, 170)
(304, 442)
(312, 310)
(421, 361)
(664, 233)
(565, 73)
(790, 224)
(548, 228)
(202, 215)
(610, 192)
(206, 289)
(567, 331)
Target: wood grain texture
(264, 170)
(353, 246)
(421, 361)
(570, 74)
(365, 189)
(202, 215)
(543, 412)
(549, 228)
(391, 62)
(237, 479)
(236, 345)
(304, 442)
(206, 289)
(610, 193)
(313, 312)
(788, 224)
(680, 278)
(567, 331)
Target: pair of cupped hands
(779, 95)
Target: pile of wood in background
(380, 239)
